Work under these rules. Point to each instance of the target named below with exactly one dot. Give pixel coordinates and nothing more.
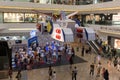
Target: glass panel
(30, 17)
(13, 17)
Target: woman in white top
(54, 75)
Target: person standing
(89, 50)
(10, 73)
(71, 61)
(103, 71)
(77, 48)
(19, 75)
(83, 50)
(98, 58)
(74, 73)
(115, 62)
(95, 60)
(54, 75)
(92, 69)
(59, 56)
(118, 64)
(106, 75)
(99, 67)
(50, 72)
(73, 52)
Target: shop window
(30, 17)
(13, 17)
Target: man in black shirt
(74, 73)
(92, 69)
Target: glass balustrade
(106, 22)
(65, 2)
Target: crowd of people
(110, 53)
(35, 56)
(51, 52)
(100, 71)
(106, 49)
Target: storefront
(20, 17)
(14, 17)
(114, 41)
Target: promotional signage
(117, 43)
(32, 40)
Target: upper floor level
(16, 6)
(66, 2)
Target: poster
(117, 43)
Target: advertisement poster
(117, 43)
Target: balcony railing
(84, 2)
(106, 22)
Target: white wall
(16, 25)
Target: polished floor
(63, 72)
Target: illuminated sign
(117, 43)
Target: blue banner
(32, 40)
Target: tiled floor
(64, 72)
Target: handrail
(95, 45)
(92, 47)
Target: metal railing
(106, 22)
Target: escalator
(94, 47)
(103, 52)
(100, 47)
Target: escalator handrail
(96, 45)
(92, 47)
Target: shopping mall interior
(59, 40)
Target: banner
(33, 40)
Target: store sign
(110, 29)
